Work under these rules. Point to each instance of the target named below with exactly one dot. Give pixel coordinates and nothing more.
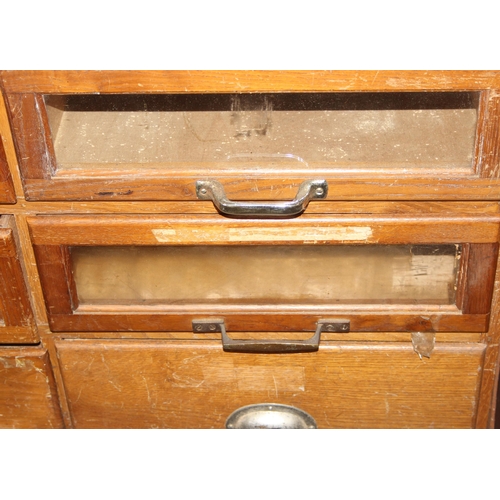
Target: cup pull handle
(270, 346)
(308, 190)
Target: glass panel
(315, 275)
(252, 131)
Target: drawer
(28, 397)
(156, 273)
(256, 145)
(168, 384)
(17, 323)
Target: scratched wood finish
(31, 140)
(44, 180)
(454, 209)
(113, 384)
(28, 396)
(18, 324)
(139, 185)
(7, 194)
(52, 236)
(215, 230)
(480, 267)
(440, 197)
(244, 81)
(490, 138)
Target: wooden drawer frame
(15, 306)
(7, 194)
(53, 235)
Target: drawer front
(28, 398)
(159, 274)
(160, 384)
(124, 145)
(17, 323)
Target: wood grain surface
(111, 366)
(244, 81)
(148, 384)
(28, 397)
(18, 324)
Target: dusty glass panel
(253, 131)
(286, 275)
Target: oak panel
(18, 324)
(216, 230)
(7, 194)
(244, 81)
(28, 397)
(130, 384)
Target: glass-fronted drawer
(259, 145)
(155, 273)
(17, 324)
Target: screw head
(320, 191)
(203, 191)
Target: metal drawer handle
(271, 346)
(270, 416)
(308, 190)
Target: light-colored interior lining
(264, 274)
(429, 138)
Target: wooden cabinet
(191, 243)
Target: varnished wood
(52, 267)
(30, 135)
(6, 186)
(45, 180)
(13, 185)
(489, 135)
(139, 185)
(7, 194)
(113, 384)
(244, 81)
(15, 306)
(282, 319)
(480, 272)
(489, 383)
(437, 207)
(454, 209)
(28, 397)
(210, 230)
